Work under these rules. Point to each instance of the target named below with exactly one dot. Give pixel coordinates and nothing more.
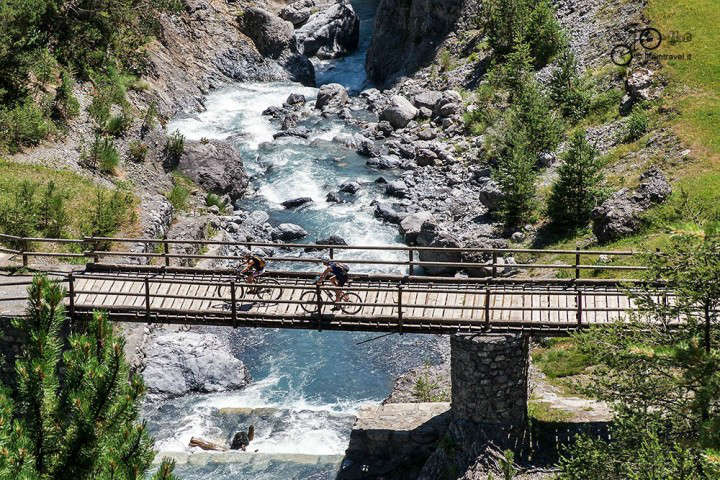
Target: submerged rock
(296, 202)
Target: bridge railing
(415, 259)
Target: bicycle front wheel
(355, 300)
(309, 301)
(621, 55)
(269, 289)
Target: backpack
(259, 262)
(345, 269)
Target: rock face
(274, 38)
(406, 34)
(181, 363)
(216, 166)
(400, 112)
(330, 33)
(620, 215)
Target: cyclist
(337, 273)
(253, 266)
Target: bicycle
(264, 288)
(309, 301)
(649, 38)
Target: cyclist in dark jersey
(253, 267)
(337, 273)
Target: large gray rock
(411, 225)
(274, 38)
(427, 99)
(387, 212)
(431, 235)
(490, 194)
(330, 33)
(299, 12)
(216, 166)
(621, 214)
(183, 362)
(331, 95)
(400, 112)
(288, 232)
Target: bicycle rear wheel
(353, 298)
(269, 289)
(309, 301)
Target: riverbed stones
(400, 112)
(332, 32)
(396, 188)
(295, 99)
(386, 212)
(349, 187)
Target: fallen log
(205, 445)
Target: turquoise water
(307, 385)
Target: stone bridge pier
(489, 374)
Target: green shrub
(514, 71)
(544, 33)
(117, 125)
(108, 212)
(605, 102)
(578, 188)
(29, 209)
(174, 148)
(66, 104)
(178, 196)
(212, 199)
(137, 151)
(531, 113)
(446, 62)
(567, 90)
(24, 125)
(637, 125)
(102, 155)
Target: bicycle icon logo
(649, 38)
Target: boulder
(298, 132)
(365, 146)
(295, 99)
(397, 188)
(400, 112)
(333, 197)
(332, 94)
(620, 215)
(216, 166)
(330, 33)
(490, 194)
(349, 187)
(299, 12)
(275, 38)
(288, 231)
(258, 217)
(427, 99)
(179, 363)
(449, 109)
(430, 235)
(411, 225)
(385, 162)
(387, 213)
(296, 202)
(425, 157)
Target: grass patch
(545, 412)
(80, 198)
(560, 358)
(426, 390)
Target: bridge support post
(489, 375)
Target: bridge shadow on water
(441, 446)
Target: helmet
(325, 259)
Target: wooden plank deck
(432, 308)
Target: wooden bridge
(387, 302)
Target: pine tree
(567, 90)
(531, 112)
(661, 375)
(516, 176)
(73, 414)
(578, 188)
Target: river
(307, 385)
